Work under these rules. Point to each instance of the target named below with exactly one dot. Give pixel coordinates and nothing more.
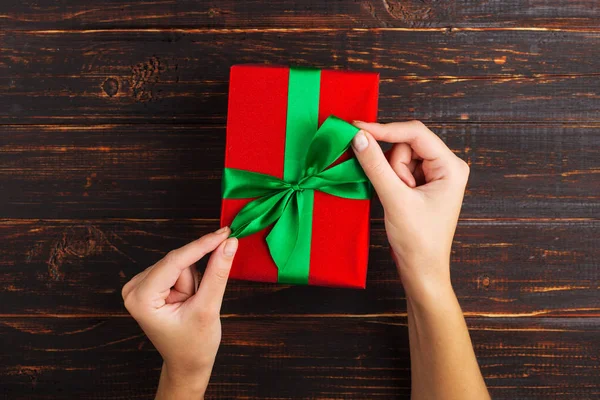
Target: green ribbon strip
(288, 203)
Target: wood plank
(166, 75)
(499, 268)
(46, 14)
(200, 54)
(174, 171)
(274, 358)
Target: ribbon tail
(289, 240)
(283, 237)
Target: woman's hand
(421, 189)
(180, 316)
(421, 186)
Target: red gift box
(256, 137)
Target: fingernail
(222, 230)
(357, 122)
(230, 247)
(360, 141)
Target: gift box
(293, 193)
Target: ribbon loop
(284, 204)
(330, 141)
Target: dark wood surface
(112, 124)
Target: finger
(128, 287)
(412, 166)
(165, 273)
(400, 158)
(425, 143)
(185, 282)
(176, 297)
(376, 167)
(212, 287)
(184, 288)
(133, 282)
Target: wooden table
(112, 127)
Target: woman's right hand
(421, 186)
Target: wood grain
(291, 357)
(108, 76)
(112, 124)
(499, 268)
(202, 54)
(44, 14)
(174, 171)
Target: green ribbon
(288, 203)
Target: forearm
(443, 363)
(176, 387)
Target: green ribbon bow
(288, 202)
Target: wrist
(181, 385)
(430, 295)
(427, 285)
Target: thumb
(212, 287)
(377, 168)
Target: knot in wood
(110, 87)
